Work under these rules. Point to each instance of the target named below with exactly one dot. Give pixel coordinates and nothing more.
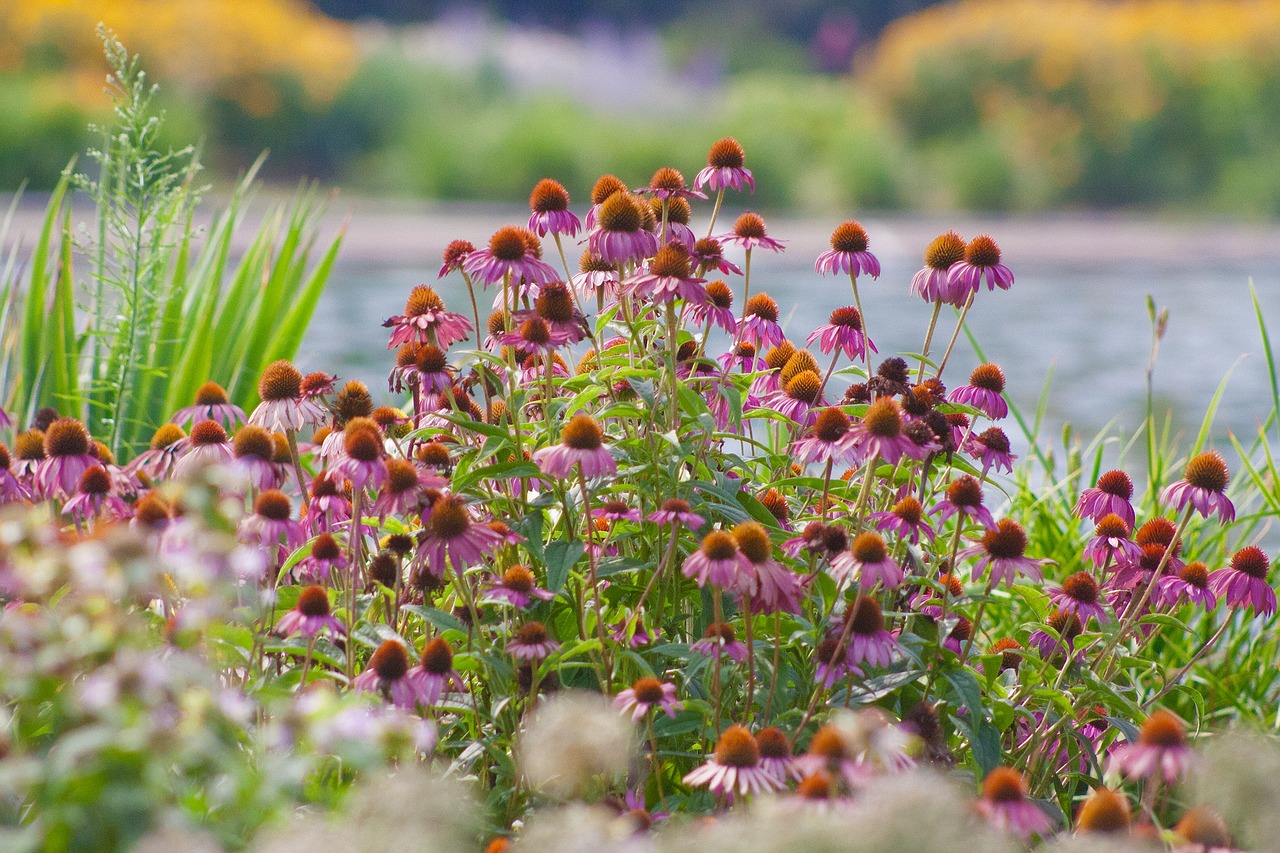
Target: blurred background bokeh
(994, 105)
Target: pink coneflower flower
(797, 398)
(434, 675)
(670, 277)
(832, 751)
(511, 251)
(425, 321)
(271, 523)
(361, 461)
(1190, 584)
(932, 282)
(880, 434)
(833, 662)
(1006, 806)
(646, 694)
(986, 384)
(775, 753)
(721, 639)
(1244, 582)
(310, 616)
(581, 442)
(211, 404)
(716, 308)
(991, 448)
(554, 304)
(759, 324)
(328, 507)
(168, 443)
(1079, 595)
(1110, 495)
(1111, 543)
(1104, 812)
(1065, 626)
(281, 409)
(28, 453)
(11, 489)
(67, 455)
(964, 497)
(388, 674)
(981, 263)
(708, 254)
(549, 203)
(668, 183)
(449, 532)
(207, 445)
(532, 336)
(454, 255)
(402, 490)
(825, 440)
(869, 642)
(327, 558)
(596, 276)
(1161, 750)
(843, 332)
(906, 519)
(770, 585)
(1003, 548)
(517, 587)
(951, 590)
(531, 642)
(94, 497)
(749, 233)
(619, 236)
(717, 562)
(868, 562)
(848, 254)
(724, 169)
(253, 451)
(1202, 486)
(614, 511)
(677, 228)
(734, 767)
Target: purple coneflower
(668, 183)
(1104, 812)
(517, 586)
(11, 489)
(981, 263)
(619, 236)
(402, 490)
(207, 445)
(271, 523)
(964, 497)
(511, 251)
(716, 309)
(1202, 486)
(734, 767)
(310, 616)
(94, 496)
(253, 451)
(450, 532)
(596, 277)
(951, 589)
(986, 384)
(454, 255)
(326, 559)
(1110, 495)
(749, 233)
(848, 254)
(677, 511)
(1161, 750)
(770, 585)
(549, 203)
(388, 675)
(775, 753)
(167, 444)
(832, 752)
(531, 642)
(425, 321)
(759, 324)
(1065, 626)
(844, 332)
(869, 642)
(581, 442)
(833, 662)
(991, 448)
(1005, 804)
(797, 398)
(614, 511)
(932, 282)
(869, 562)
(708, 254)
(724, 169)
(434, 675)
(361, 461)
(881, 434)
(328, 507)
(67, 455)
(1079, 595)
(677, 228)
(670, 277)
(280, 388)
(211, 404)
(720, 638)
(644, 695)
(1244, 582)
(1190, 584)
(825, 442)
(554, 304)
(1003, 548)
(1111, 543)
(905, 519)
(717, 562)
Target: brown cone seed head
(831, 425)
(211, 394)
(1157, 531)
(1104, 811)
(390, 661)
(1116, 483)
(965, 491)
(280, 381)
(982, 251)
(325, 547)
(95, 481)
(508, 244)
(866, 618)
(753, 541)
(1203, 827)
(455, 252)
(582, 433)
(869, 547)
(273, 504)
(773, 743)
(253, 440)
(849, 237)
(1082, 587)
(166, 435)
(1111, 526)
(988, 377)
(737, 748)
(1004, 785)
(672, 260)
(719, 545)
(1006, 540)
(945, 250)
(449, 517)
(909, 510)
(606, 186)
(847, 317)
(362, 440)
(1163, 729)
(621, 212)
(805, 386)
(1207, 471)
(883, 418)
(437, 657)
(548, 196)
(749, 225)
(531, 633)
(1196, 574)
(313, 601)
(648, 690)
(1252, 561)
(66, 437)
(29, 445)
(554, 303)
(726, 153)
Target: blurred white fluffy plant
(1239, 777)
(574, 739)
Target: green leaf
(559, 558)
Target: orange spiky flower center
(313, 601)
(1006, 541)
(988, 377)
(549, 196)
(437, 657)
(66, 437)
(726, 153)
(945, 250)
(449, 517)
(982, 251)
(273, 504)
(606, 186)
(737, 748)
(648, 690)
(883, 418)
(749, 225)
(1252, 561)
(620, 212)
(1207, 471)
(280, 381)
(1004, 785)
(582, 433)
(753, 541)
(849, 237)
(211, 394)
